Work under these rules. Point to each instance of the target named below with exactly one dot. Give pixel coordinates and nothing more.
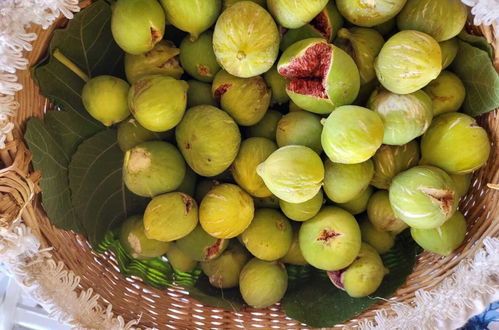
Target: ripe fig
(192, 16)
(226, 211)
(293, 107)
(270, 202)
(209, 139)
(188, 185)
(105, 99)
(200, 246)
(462, 183)
(382, 241)
(447, 93)
(136, 243)
(293, 173)
(426, 16)
(344, 182)
(179, 260)
(330, 240)
(263, 283)
(408, 61)
(352, 134)
(153, 168)
(381, 216)
(199, 93)
(137, 25)
(364, 276)
(386, 28)
(228, 3)
(266, 127)
(197, 57)
(455, 143)
(325, 25)
(277, 84)
(131, 133)
(405, 117)
(359, 203)
(223, 272)
(369, 12)
(203, 187)
(162, 60)
(363, 45)
(158, 102)
(269, 235)
(442, 240)
(303, 211)
(246, 40)
(424, 197)
(449, 50)
(253, 151)
(391, 160)
(245, 99)
(170, 216)
(300, 128)
(322, 75)
(294, 255)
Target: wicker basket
(173, 308)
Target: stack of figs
(290, 132)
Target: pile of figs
(290, 132)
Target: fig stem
(70, 65)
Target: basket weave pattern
(173, 308)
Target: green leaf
(100, 198)
(477, 41)
(319, 303)
(480, 79)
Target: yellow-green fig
(253, 151)
(303, 211)
(293, 173)
(449, 50)
(136, 243)
(179, 260)
(462, 183)
(192, 16)
(266, 127)
(447, 93)
(382, 241)
(105, 99)
(158, 102)
(199, 93)
(209, 139)
(277, 84)
(455, 143)
(200, 246)
(359, 203)
(228, 3)
(369, 12)
(300, 128)
(380, 214)
(162, 59)
(294, 255)
(137, 25)
(197, 57)
(344, 182)
(188, 185)
(293, 14)
(131, 133)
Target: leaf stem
(70, 65)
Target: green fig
(293, 14)
(449, 50)
(294, 255)
(200, 246)
(300, 128)
(199, 93)
(197, 57)
(344, 182)
(131, 133)
(382, 241)
(188, 185)
(270, 202)
(266, 127)
(386, 28)
(381, 216)
(203, 187)
(228, 3)
(359, 203)
(136, 243)
(462, 183)
(447, 93)
(303, 211)
(277, 84)
(369, 12)
(179, 260)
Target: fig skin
(170, 217)
(449, 50)
(199, 93)
(246, 40)
(390, 160)
(344, 182)
(462, 183)
(152, 168)
(405, 117)
(277, 84)
(270, 202)
(179, 260)
(266, 127)
(263, 283)
(135, 242)
(245, 99)
(352, 134)
(323, 76)
(300, 128)
(203, 187)
(131, 133)
(359, 203)
(428, 16)
(303, 211)
(381, 216)
(200, 246)
(269, 235)
(330, 240)
(447, 93)
(188, 185)
(408, 61)
(158, 102)
(424, 197)
(455, 143)
(381, 241)
(442, 240)
(253, 151)
(228, 3)
(386, 28)
(226, 211)
(369, 13)
(137, 25)
(192, 16)
(292, 173)
(105, 99)
(162, 59)
(294, 255)
(197, 57)
(209, 140)
(294, 14)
